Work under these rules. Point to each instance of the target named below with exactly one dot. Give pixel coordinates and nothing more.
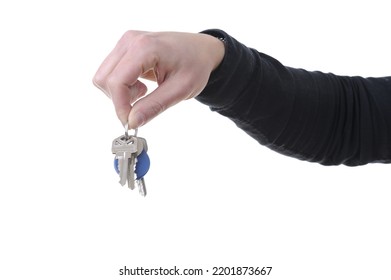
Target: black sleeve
(311, 116)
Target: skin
(180, 63)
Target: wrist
(217, 47)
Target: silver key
(139, 142)
(141, 145)
(132, 162)
(124, 147)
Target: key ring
(127, 129)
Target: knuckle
(112, 82)
(141, 40)
(99, 80)
(130, 34)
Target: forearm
(308, 115)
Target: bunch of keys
(131, 159)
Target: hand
(180, 63)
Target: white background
(216, 197)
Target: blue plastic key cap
(142, 165)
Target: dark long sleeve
(311, 116)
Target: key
(124, 148)
(132, 162)
(140, 143)
(130, 172)
(141, 186)
(142, 168)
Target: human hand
(180, 63)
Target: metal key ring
(127, 129)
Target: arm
(312, 116)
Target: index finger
(101, 76)
(122, 83)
